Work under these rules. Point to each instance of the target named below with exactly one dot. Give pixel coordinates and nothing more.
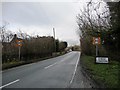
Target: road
(56, 72)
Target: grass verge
(105, 75)
(16, 63)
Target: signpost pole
(19, 52)
(96, 50)
(19, 44)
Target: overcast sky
(41, 17)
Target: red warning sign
(96, 40)
(19, 43)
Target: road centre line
(9, 83)
(28, 64)
(54, 63)
(50, 65)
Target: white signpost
(102, 60)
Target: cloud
(40, 18)
(24, 13)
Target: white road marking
(50, 65)
(30, 64)
(9, 83)
(54, 64)
(82, 82)
(74, 71)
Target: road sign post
(19, 44)
(96, 50)
(19, 52)
(99, 59)
(96, 42)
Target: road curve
(56, 72)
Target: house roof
(15, 38)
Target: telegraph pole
(54, 38)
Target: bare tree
(6, 34)
(23, 35)
(93, 18)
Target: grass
(103, 74)
(15, 63)
(12, 64)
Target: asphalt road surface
(58, 72)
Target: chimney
(15, 36)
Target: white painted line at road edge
(74, 71)
(9, 83)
